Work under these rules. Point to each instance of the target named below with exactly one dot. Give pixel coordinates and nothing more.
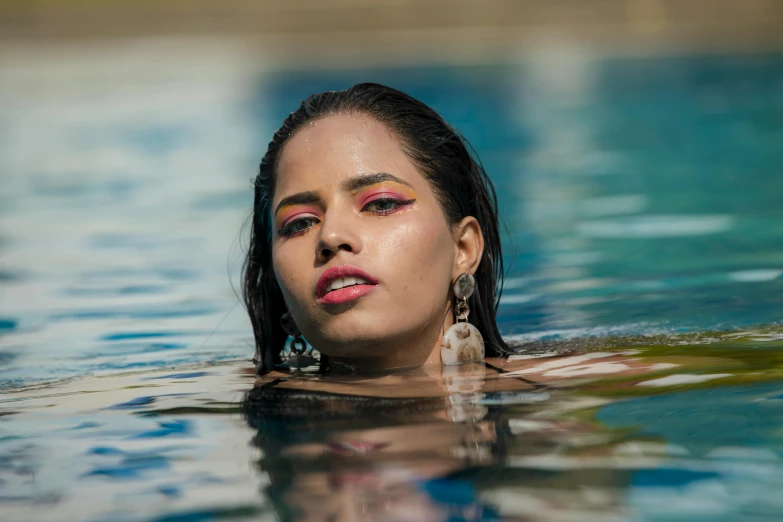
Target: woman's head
(369, 187)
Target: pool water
(645, 254)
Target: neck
(413, 351)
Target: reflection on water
(591, 435)
(130, 447)
(678, 431)
(642, 204)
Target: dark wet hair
(441, 154)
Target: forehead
(330, 150)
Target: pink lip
(343, 295)
(354, 447)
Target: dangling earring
(298, 345)
(462, 343)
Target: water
(642, 204)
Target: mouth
(343, 284)
(355, 447)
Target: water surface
(643, 241)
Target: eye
(383, 206)
(298, 226)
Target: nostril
(325, 251)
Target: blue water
(640, 196)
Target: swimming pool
(642, 203)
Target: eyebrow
(365, 180)
(299, 198)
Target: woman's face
(361, 247)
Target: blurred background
(636, 145)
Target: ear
(469, 245)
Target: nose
(337, 233)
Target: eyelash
(290, 229)
(397, 202)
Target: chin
(352, 339)
(351, 323)
(350, 344)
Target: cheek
(290, 270)
(419, 253)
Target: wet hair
(443, 156)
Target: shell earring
(462, 343)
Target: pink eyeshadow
(287, 214)
(374, 193)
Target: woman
(374, 236)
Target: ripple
(126, 348)
(657, 226)
(133, 468)
(755, 276)
(133, 403)
(111, 292)
(134, 313)
(187, 375)
(7, 324)
(175, 428)
(683, 378)
(122, 336)
(7, 276)
(172, 274)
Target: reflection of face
(437, 440)
(348, 195)
(374, 474)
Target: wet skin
(348, 198)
